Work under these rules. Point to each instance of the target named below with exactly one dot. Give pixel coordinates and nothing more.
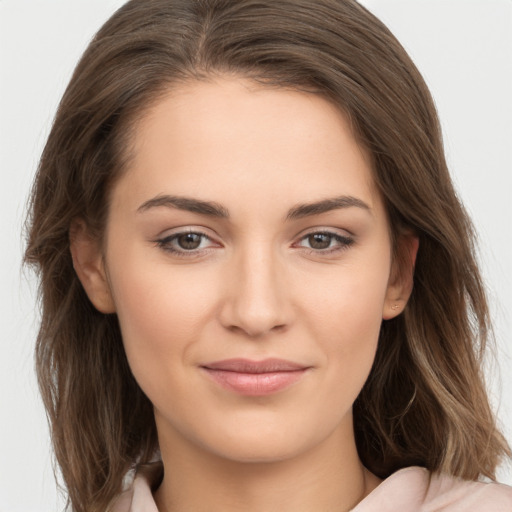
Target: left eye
(323, 241)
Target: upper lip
(240, 365)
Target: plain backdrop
(462, 47)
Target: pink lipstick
(255, 378)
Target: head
(423, 399)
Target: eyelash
(343, 243)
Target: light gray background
(464, 50)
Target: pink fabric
(415, 489)
(136, 498)
(408, 490)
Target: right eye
(186, 243)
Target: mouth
(255, 378)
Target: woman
(255, 271)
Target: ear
(401, 277)
(89, 266)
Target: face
(248, 259)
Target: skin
(257, 286)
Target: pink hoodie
(411, 489)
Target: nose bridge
(256, 301)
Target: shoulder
(453, 494)
(416, 489)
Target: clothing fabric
(416, 489)
(411, 489)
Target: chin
(261, 451)
(260, 442)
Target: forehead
(228, 137)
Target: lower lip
(255, 384)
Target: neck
(329, 477)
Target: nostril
(256, 332)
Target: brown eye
(187, 244)
(189, 241)
(325, 243)
(319, 241)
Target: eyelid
(186, 228)
(343, 233)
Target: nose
(255, 301)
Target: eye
(325, 242)
(189, 241)
(186, 243)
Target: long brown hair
(425, 402)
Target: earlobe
(89, 266)
(401, 280)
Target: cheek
(160, 314)
(346, 315)
(349, 304)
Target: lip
(255, 378)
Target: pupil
(319, 241)
(189, 241)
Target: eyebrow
(209, 208)
(213, 209)
(326, 205)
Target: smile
(255, 378)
